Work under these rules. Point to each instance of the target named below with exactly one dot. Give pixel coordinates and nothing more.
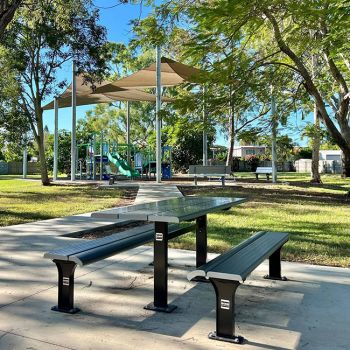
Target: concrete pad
(271, 314)
(156, 192)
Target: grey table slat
(192, 212)
(171, 210)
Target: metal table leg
(201, 245)
(160, 302)
(201, 240)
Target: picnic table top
(172, 210)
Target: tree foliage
(44, 36)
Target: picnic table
(163, 213)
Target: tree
(277, 33)
(7, 11)
(47, 34)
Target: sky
(117, 22)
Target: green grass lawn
(317, 218)
(24, 201)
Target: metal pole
(274, 136)
(55, 142)
(128, 130)
(205, 137)
(25, 156)
(101, 157)
(93, 156)
(158, 106)
(74, 123)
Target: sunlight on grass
(24, 201)
(317, 218)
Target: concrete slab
(270, 314)
(156, 192)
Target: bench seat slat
(64, 253)
(91, 251)
(239, 262)
(104, 252)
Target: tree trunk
(316, 141)
(41, 147)
(231, 132)
(346, 162)
(231, 140)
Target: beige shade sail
(85, 96)
(173, 73)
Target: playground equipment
(103, 160)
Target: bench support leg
(223, 180)
(160, 262)
(225, 311)
(65, 287)
(257, 176)
(195, 180)
(275, 267)
(267, 177)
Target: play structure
(102, 160)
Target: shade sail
(173, 73)
(85, 96)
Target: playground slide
(122, 165)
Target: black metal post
(275, 266)
(225, 311)
(160, 260)
(65, 287)
(201, 240)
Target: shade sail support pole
(158, 107)
(25, 160)
(274, 137)
(128, 130)
(74, 122)
(55, 142)
(205, 136)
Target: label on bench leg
(65, 281)
(159, 236)
(225, 304)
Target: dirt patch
(99, 233)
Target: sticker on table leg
(225, 304)
(159, 236)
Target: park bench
(229, 270)
(263, 170)
(209, 171)
(88, 252)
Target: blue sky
(117, 21)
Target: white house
(242, 151)
(331, 155)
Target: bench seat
(209, 170)
(88, 252)
(263, 170)
(227, 271)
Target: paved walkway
(156, 192)
(311, 311)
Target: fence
(325, 166)
(16, 168)
(243, 165)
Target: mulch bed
(99, 233)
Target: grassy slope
(317, 217)
(24, 201)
